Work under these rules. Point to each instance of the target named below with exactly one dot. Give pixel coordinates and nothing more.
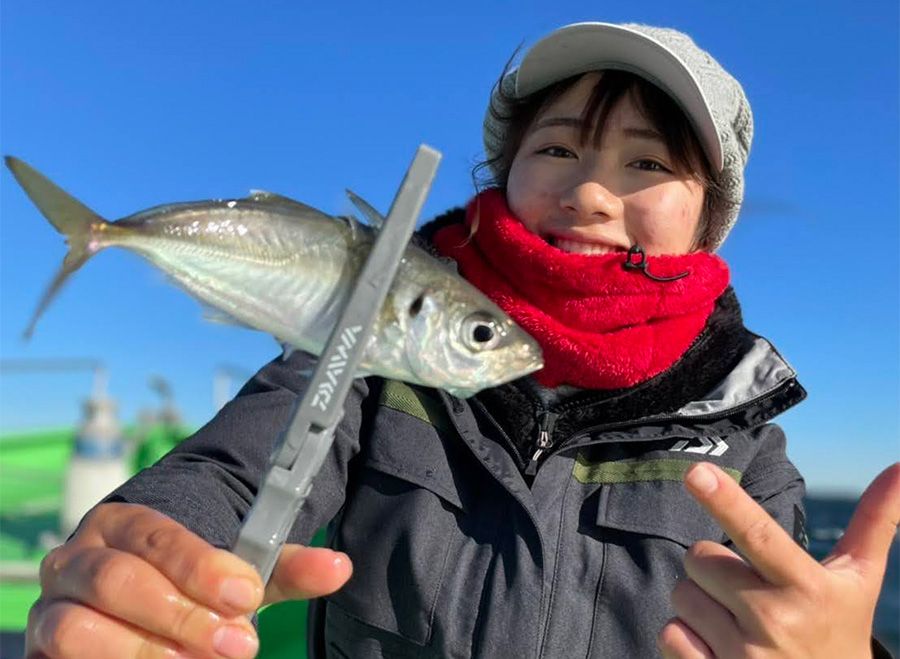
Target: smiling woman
(548, 516)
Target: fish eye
(480, 331)
(483, 333)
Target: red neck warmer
(600, 326)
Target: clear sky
(133, 104)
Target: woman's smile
(592, 248)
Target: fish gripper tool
(306, 440)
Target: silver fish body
(279, 266)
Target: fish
(277, 265)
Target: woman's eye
(650, 166)
(556, 152)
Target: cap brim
(584, 47)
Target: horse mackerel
(276, 265)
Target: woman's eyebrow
(643, 134)
(567, 122)
(577, 123)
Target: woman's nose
(590, 201)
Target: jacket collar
(759, 373)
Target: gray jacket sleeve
(208, 482)
(774, 482)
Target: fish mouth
(529, 354)
(533, 366)
(532, 359)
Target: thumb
(307, 572)
(873, 526)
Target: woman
(547, 517)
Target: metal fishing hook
(637, 250)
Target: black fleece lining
(423, 237)
(716, 351)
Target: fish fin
(214, 315)
(265, 197)
(288, 349)
(460, 393)
(373, 217)
(261, 196)
(69, 216)
(351, 222)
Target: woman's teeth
(575, 247)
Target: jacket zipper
(546, 421)
(592, 430)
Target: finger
(62, 629)
(873, 526)
(767, 546)
(723, 575)
(305, 572)
(678, 641)
(212, 577)
(707, 618)
(131, 590)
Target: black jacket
(458, 550)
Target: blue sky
(129, 105)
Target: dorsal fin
(373, 217)
(264, 197)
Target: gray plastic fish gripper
(306, 440)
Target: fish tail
(78, 223)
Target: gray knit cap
(712, 100)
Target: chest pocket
(647, 496)
(398, 526)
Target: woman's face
(596, 200)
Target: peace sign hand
(779, 602)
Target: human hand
(780, 602)
(135, 583)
